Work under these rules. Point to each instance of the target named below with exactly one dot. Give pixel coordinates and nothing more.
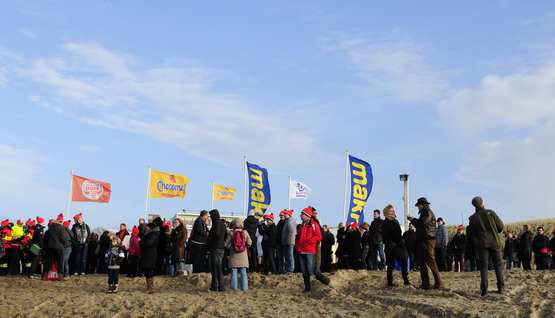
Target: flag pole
(345, 186)
(213, 185)
(70, 193)
(147, 192)
(289, 195)
(245, 184)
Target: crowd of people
(263, 245)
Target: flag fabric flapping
(224, 193)
(89, 190)
(259, 190)
(298, 190)
(361, 187)
(167, 185)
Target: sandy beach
(351, 293)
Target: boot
(150, 285)
(110, 288)
(307, 286)
(323, 279)
(115, 288)
(390, 276)
(406, 278)
(147, 286)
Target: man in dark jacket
(552, 249)
(328, 240)
(149, 255)
(425, 242)
(457, 244)
(215, 247)
(81, 237)
(376, 243)
(38, 233)
(268, 230)
(279, 248)
(58, 238)
(486, 226)
(250, 225)
(409, 237)
(199, 235)
(540, 244)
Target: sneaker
(75, 274)
(32, 277)
(483, 293)
(81, 274)
(115, 288)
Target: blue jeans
(244, 279)
(81, 258)
(365, 262)
(308, 262)
(215, 260)
(65, 264)
(289, 260)
(374, 250)
(113, 276)
(508, 262)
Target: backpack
(239, 241)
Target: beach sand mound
(350, 293)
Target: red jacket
(308, 235)
(134, 247)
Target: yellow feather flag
(167, 185)
(224, 193)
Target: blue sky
(459, 95)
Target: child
(113, 257)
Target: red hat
(77, 216)
(167, 224)
(283, 212)
(19, 221)
(354, 225)
(29, 222)
(290, 212)
(67, 223)
(544, 250)
(39, 219)
(461, 227)
(135, 230)
(6, 222)
(307, 211)
(60, 217)
(269, 216)
(50, 221)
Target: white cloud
(172, 103)
(397, 68)
(514, 101)
(28, 33)
(514, 167)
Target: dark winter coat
(199, 234)
(149, 248)
(458, 243)
(409, 237)
(486, 226)
(250, 225)
(328, 240)
(280, 225)
(353, 239)
(269, 233)
(525, 246)
(104, 243)
(38, 235)
(539, 242)
(216, 236)
(58, 236)
(178, 236)
(425, 225)
(376, 231)
(392, 239)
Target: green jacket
(485, 228)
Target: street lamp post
(405, 178)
